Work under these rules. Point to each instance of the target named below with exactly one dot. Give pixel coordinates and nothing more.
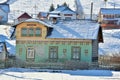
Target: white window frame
(30, 53)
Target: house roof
(63, 9)
(3, 1)
(5, 7)
(43, 14)
(54, 15)
(110, 10)
(24, 15)
(75, 29)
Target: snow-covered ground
(111, 43)
(37, 74)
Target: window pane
(30, 52)
(31, 32)
(24, 31)
(53, 52)
(38, 32)
(76, 53)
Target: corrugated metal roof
(110, 10)
(76, 29)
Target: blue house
(4, 10)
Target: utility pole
(35, 8)
(91, 12)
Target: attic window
(24, 31)
(38, 32)
(31, 32)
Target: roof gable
(63, 9)
(24, 15)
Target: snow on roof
(63, 9)
(5, 7)
(44, 14)
(75, 29)
(53, 15)
(37, 20)
(68, 12)
(80, 29)
(3, 1)
(110, 10)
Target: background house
(22, 18)
(109, 17)
(64, 12)
(43, 15)
(4, 10)
(3, 51)
(39, 44)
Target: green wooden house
(46, 45)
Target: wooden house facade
(38, 43)
(109, 18)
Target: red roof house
(24, 17)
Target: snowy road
(35, 74)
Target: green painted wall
(42, 51)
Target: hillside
(20, 6)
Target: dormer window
(31, 32)
(24, 32)
(38, 32)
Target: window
(24, 32)
(53, 52)
(20, 51)
(94, 59)
(76, 53)
(86, 52)
(38, 32)
(31, 32)
(30, 53)
(67, 14)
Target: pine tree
(65, 4)
(105, 2)
(51, 8)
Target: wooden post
(91, 10)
